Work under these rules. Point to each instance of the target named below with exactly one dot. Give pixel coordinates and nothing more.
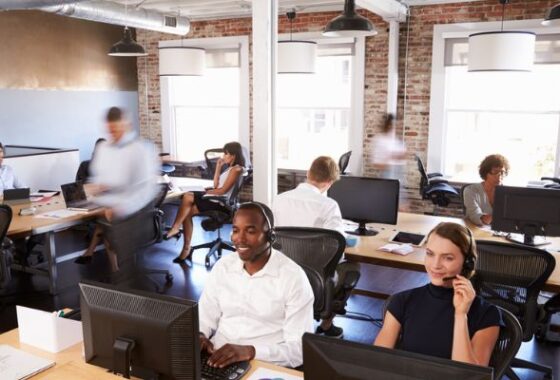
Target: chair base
(520, 363)
(214, 247)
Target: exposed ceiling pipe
(27, 4)
(113, 13)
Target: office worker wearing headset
(444, 318)
(257, 303)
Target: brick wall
(416, 120)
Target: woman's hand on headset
(463, 295)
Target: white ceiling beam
(389, 10)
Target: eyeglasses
(501, 172)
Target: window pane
(314, 113)
(206, 111)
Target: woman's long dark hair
(234, 148)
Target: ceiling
(214, 9)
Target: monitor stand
(527, 239)
(363, 231)
(122, 355)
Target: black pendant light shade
(349, 24)
(127, 47)
(552, 16)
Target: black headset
(270, 234)
(470, 259)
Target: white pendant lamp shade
(296, 57)
(181, 61)
(501, 51)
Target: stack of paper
(400, 249)
(16, 364)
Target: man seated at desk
(308, 206)
(8, 179)
(257, 303)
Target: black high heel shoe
(179, 260)
(176, 236)
(84, 260)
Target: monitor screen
(528, 211)
(367, 200)
(152, 333)
(329, 358)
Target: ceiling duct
(113, 13)
(27, 4)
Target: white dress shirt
(269, 310)
(306, 206)
(129, 170)
(8, 179)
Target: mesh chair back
(511, 276)
(162, 190)
(211, 157)
(343, 162)
(318, 252)
(422, 170)
(463, 188)
(509, 341)
(5, 220)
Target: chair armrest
(553, 179)
(432, 175)
(552, 305)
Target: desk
(366, 249)
(70, 363)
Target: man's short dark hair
(114, 114)
(260, 208)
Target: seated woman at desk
(478, 198)
(444, 318)
(194, 203)
(8, 179)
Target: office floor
(189, 281)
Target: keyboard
(232, 372)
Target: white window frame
(169, 141)
(356, 127)
(437, 131)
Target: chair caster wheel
(207, 262)
(169, 278)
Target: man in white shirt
(8, 179)
(308, 206)
(257, 303)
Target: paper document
(400, 249)
(270, 374)
(44, 194)
(60, 214)
(193, 189)
(17, 364)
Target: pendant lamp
(349, 24)
(296, 57)
(181, 61)
(127, 47)
(502, 50)
(552, 17)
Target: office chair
(139, 230)
(507, 345)
(82, 174)
(343, 162)
(166, 168)
(463, 188)
(7, 246)
(215, 220)
(555, 182)
(512, 276)
(433, 186)
(318, 251)
(211, 157)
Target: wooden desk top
(70, 364)
(366, 249)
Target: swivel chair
(211, 157)
(512, 276)
(318, 251)
(6, 246)
(343, 162)
(555, 182)
(434, 187)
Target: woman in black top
(444, 318)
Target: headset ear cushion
(271, 236)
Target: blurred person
(256, 303)
(478, 198)
(8, 179)
(388, 153)
(444, 318)
(83, 174)
(309, 206)
(124, 177)
(194, 203)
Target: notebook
(75, 197)
(17, 364)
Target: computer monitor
(529, 211)
(154, 334)
(328, 358)
(367, 200)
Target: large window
(510, 113)
(314, 114)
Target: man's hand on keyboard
(206, 344)
(231, 353)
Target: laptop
(15, 196)
(75, 197)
